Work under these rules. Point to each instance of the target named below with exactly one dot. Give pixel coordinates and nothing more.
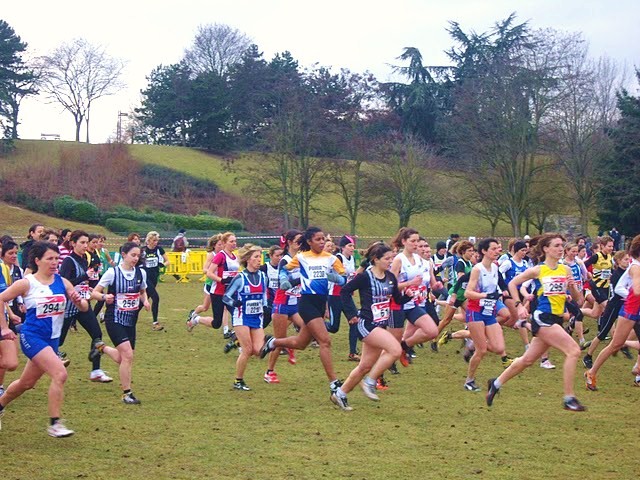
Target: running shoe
(66, 361)
(625, 351)
(315, 344)
(369, 391)
(394, 369)
(1, 391)
(381, 384)
(636, 381)
(190, 324)
(292, 356)
(100, 376)
(227, 335)
(434, 346)
(271, 377)
(574, 405)
(404, 359)
(411, 353)
(471, 386)
(584, 344)
(101, 317)
(264, 351)
(354, 357)
(230, 346)
(333, 386)
(444, 339)
(590, 381)
(58, 430)
(587, 361)
(240, 385)
(547, 365)
(492, 391)
(506, 361)
(468, 353)
(636, 369)
(341, 402)
(157, 327)
(130, 399)
(96, 350)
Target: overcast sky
(355, 34)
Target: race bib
(229, 274)
(273, 283)
(253, 307)
(84, 291)
(128, 302)
(419, 293)
(317, 273)
(381, 311)
(488, 306)
(605, 274)
(293, 291)
(351, 276)
(151, 262)
(93, 274)
(554, 285)
(50, 306)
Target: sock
(581, 340)
(269, 371)
(544, 359)
(127, 391)
(369, 381)
(568, 398)
(195, 320)
(225, 329)
(637, 381)
(340, 393)
(54, 420)
(239, 380)
(469, 380)
(404, 346)
(505, 358)
(497, 384)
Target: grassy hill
(15, 221)
(231, 177)
(436, 224)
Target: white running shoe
(369, 391)
(100, 376)
(58, 430)
(547, 365)
(341, 402)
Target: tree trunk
(78, 126)
(584, 220)
(86, 122)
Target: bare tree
(577, 122)
(401, 180)
(78, 73)
(215, 48)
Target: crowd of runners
(408, 297)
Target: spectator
(453, 238)
(180, 243)
(34, 235)
(615, 234)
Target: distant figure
(615, 234)
(453, 238)
(34, 235)
(180, 243)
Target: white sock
(195, 320)
(369, 381)
(340, 393)
(225, 329)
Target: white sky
(355, 34)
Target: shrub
(84, 211)
(63, 206)
(124, 226)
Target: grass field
(192, 425)
(16, 221)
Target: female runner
(152, 256)
(123, 289)
(247, 296)
(317, 269)
(551, 281)
(380, 348)
(45, 295)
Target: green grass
(230, 178)
(192, 425)
(16, 221)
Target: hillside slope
(229, 177)
(15, 221)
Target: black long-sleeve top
(372, 290)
